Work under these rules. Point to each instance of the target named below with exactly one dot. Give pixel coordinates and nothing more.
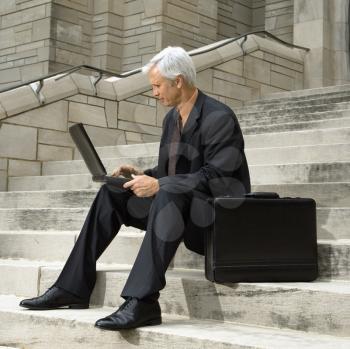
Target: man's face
(168, 92)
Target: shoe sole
(70, 306)
(153, 322)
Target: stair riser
(296, 108)
(332, 224)
(293, 308)
(300, 173)
(294, 115)
(286, 139)
(39, 332)
(47, 199)
(335, 97)
(301, 126)
(334, 260)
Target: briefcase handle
(262, 195)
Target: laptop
(91, 158)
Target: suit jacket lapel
(192, 120)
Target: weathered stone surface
(51, 152)
(105, 137)
(24, 168)
(140, 128)
(83, 83)
(3, 180)
(105, 89)
(2, 113)
(256, 69)
(18, 100)
(55, 138)
(54, 90)
(131, 86)
(53, 116)
(137, 113)
(111, 110)
(87, 114)
(21, 279)
(18, 142)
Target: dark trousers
(165, 217)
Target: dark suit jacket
(210, 160)
(211, 155)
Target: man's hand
(143, 185)
(126, 171)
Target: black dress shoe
(55, 298)
(131, 314)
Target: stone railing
(123, 111)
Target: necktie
(175, 140)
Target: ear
(179, 81)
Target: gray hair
(171, 62)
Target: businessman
(201, 156)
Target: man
(201, 155)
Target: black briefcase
(262, 238)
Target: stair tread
(328, 286)
(180, 326)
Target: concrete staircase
(297, 144)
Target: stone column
(322, 26)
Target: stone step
(74, 329)
(279, 139)
(300, 95)
(298, 138)
(299, 306)
(337, 122)
(332, 223)
(299, 154)
(53, 246)
(262, 105)
(281, 110)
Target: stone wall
(24, 40)
(279, 18)
(124, 110)
(328, 61)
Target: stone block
(23, 37)
(111, 110)
(18, 142)
(41, 29)
(229, 77)
(18, 100)
(52, 116)
(33, 71)
(231, 90)
(256, 69)
(304, 34)
(133, 21)
(51, 152)
(131, 86)
(21, 279)
(204, 80)
(3, 180)
(96, 101)
(105, 89)
(153, 8)
(83, 83)
(139, 128)
(101, 137)
(137, 113)
(308, 10)
(234, 66)
(3, 164)
(55, 138)
(78, 98)
(87, 114)
(54, 90)
(10, 75)
(189, 17)
(68, 32)
(7, 6)
(24, 168)
(7, 38)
